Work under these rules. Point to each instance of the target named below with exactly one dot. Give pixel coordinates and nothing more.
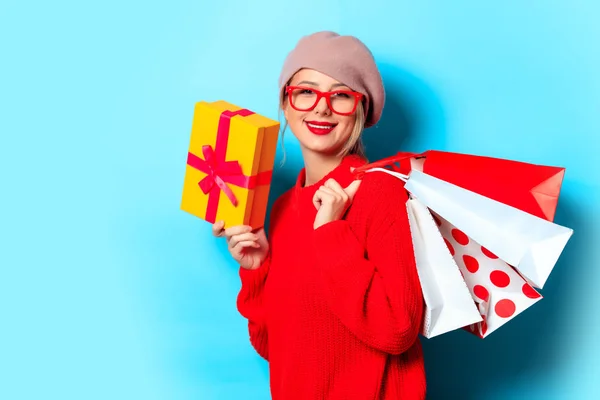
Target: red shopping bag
(529, 187)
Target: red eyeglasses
(342, 102)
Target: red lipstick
(320, 127)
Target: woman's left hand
(332, 201)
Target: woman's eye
(306, 91)
(342, 95)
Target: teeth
(320, 126)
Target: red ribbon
(220, 172)
(217, 172)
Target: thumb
(352, 188)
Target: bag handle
(385, 162)
(398, 175)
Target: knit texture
(337, 310)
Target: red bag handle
(385, 162)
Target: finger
(237, 250)
(217, 228)
(330, 192)
(336, 187)
(323, 195)
(318, 198)
(327, 196)
(237, 230)
(333, 185)
(352, 188)
(244, 237)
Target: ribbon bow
(218, 172)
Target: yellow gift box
(229, 164)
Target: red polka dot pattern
(460, 237)
(481, 292)
(471, 263)
(530, 292)
(505, 308)
(488, 253)
(450, 247)
(500, 278)
(497, 288)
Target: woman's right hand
(248, 248)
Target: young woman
(332, 297)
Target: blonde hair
(354, 145)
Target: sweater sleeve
(250, 305)
(250, 300)
(375, 291)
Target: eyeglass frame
(357, 97)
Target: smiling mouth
(320, 128)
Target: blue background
(109, 291)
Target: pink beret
(345, 59)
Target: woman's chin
(326, 144)
(322, 148)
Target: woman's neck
(318, 165)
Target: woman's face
(319, 130)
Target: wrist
(257, 263)
(319, 223)
(255, 266)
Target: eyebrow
(308, 83)
(316, 84)
(338, 85)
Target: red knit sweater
(337, 310)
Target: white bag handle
(398, 175)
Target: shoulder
(380, 189)
(282, 202)
(283, 199)
(381, 200)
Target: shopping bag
(448, 301)
(515, 233)
(529, 187)
(529, 243)
(499, 291)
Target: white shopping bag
(449, 304)
(530, 244)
